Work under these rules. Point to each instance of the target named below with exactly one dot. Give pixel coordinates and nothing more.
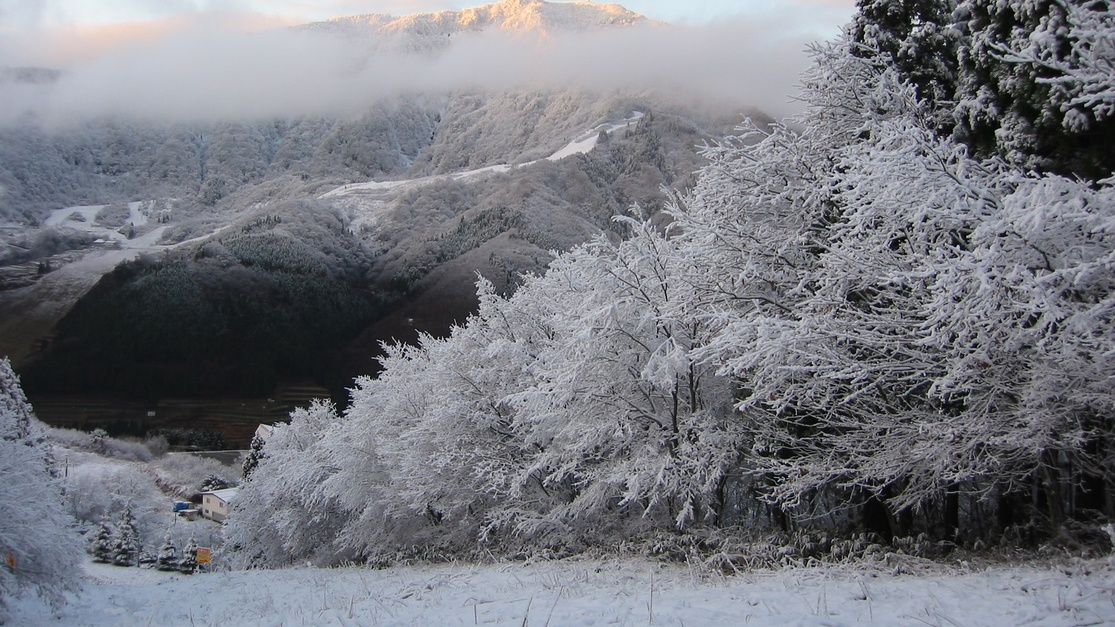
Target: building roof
(264, 431)
(225, 495)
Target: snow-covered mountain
(434, 31)
(414, 195)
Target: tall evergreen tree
(168, 558)
(17, 422)
(255, 454)
(188, 562)
(125, 551)
(103, 543)
(1023, 68)
(915, 37)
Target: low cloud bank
(206, 74)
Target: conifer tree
(1019, 76)
(125, 551)
(187, 563)
(915, 37)
(17, 422)
(168, 557)
(255, 453)
(103, 543)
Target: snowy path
(586, 593)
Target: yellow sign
(204, 555)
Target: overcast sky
(189, 59)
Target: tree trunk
(950, 522)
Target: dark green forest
(225, 318)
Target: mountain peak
(537, 16)
(544, 16)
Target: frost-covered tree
(893, 310)
(282, 496)
(255, 453)
(168, 558)
(17, 422)
(37, 541)
(101, 547)
(125, 549)
(188, 562)
(555, 416)
(625, 421)
(1035, 79)
(916, 38)
(427, 448)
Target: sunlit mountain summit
(432, 31)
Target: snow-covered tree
(894, 307)
(282, 496)
(916, 38)
(255, 453)
(624, 420)
(101, 547)
(125, 549)
(37, 541)
(428, 447)
(17, 422)
(188, 562)
(168, 558)
(1035, 79)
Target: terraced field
(234, 418)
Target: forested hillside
(883, 325)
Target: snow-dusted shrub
(99, 442)
(184, 473)
(96, 488)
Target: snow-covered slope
(587, 592)
(368, 201)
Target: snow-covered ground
(586, 592)
(582, 144)
(82, 218)
(369, 200)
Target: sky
(190, 59)
(25, 14)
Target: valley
(407, 245)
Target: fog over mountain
(204, 72)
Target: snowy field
(587, 592)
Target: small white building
(264, 431)
(217, 504)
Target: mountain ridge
(507, 15)
(432, 30)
